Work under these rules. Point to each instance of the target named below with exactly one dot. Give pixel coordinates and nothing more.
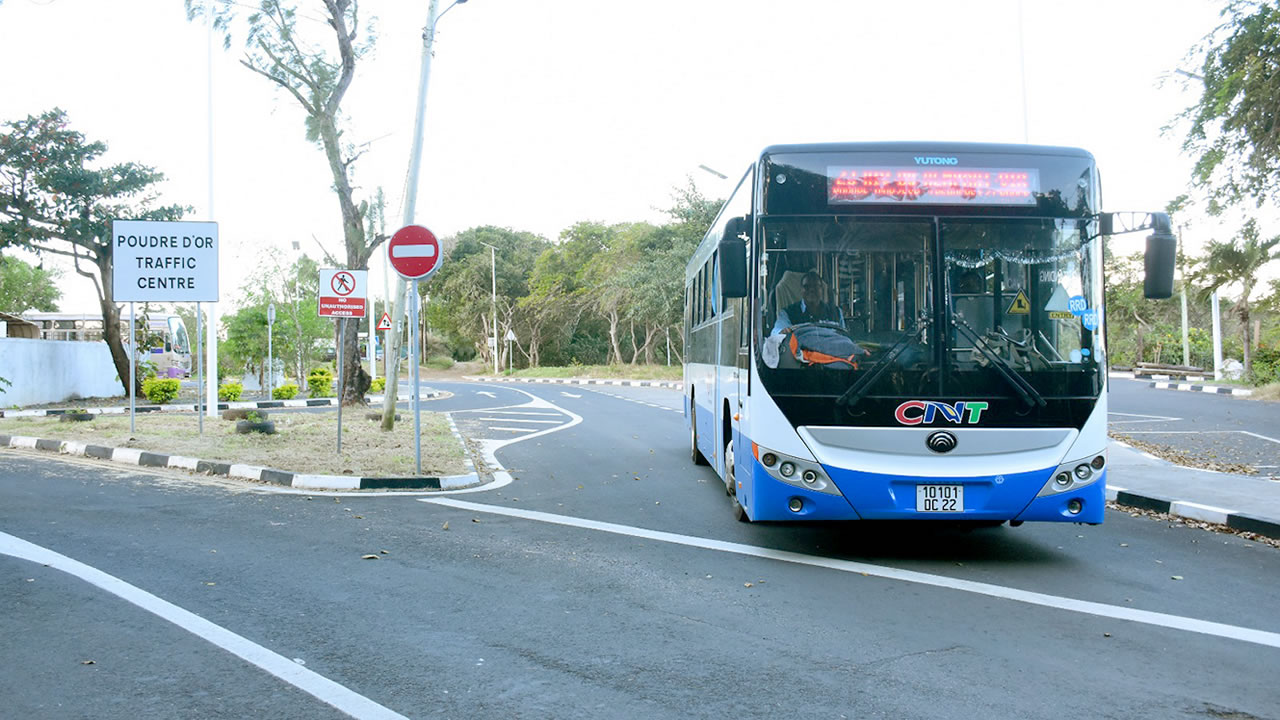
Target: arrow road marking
(569, 394)
(486, 392)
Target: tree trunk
(355, 379)
(115, 341)
(612, 317)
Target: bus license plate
(939, 498)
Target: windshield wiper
(859, 389)
(1026, 390)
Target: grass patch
(1269, 392)
(305, 442)
(627, 372)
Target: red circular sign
(414, 252)
(343, 283)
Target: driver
(810, 308)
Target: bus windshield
(979, 307)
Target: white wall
(50, 371)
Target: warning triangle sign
(1020, 305)
(385, 322)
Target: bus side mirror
(733, 258)
(1160, 258)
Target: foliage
(24, 286)
(284, 392)
(230, 391)
(1266, 366)
(4, 382)
(438, 362)
(297, 328)
(1239, 260)
(53, 200)
(320, 382)
(378, 385)
(161, 390)
(315, 64)
(1232, 127)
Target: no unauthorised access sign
(342, 292)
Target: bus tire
(694, 454)
(731, 483)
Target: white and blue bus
(908, 331)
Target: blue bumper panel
(986, 497)
(1051, 508)
(767, 499)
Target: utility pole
(410, 203)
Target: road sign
(385, 322)
(414, 252)
(342, 293)
(155, 261)
(1020, 305)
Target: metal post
(199, 369)
(1186, 344)
(370, 343)
(271, 358)
(342, 326)
(417, 405)
(133, 371)
(1217, 338)
(493, 268)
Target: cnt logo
(934, 160)
(924, 412)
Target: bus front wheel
(731, 484)
(694, 454)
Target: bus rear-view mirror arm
(1162, 247)
(733, 258)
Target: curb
(670, 384)
(1195, 511)
(302, 481)
(255, 405)
(1188, 387)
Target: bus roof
(930, 146)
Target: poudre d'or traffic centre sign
(164, 261)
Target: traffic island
(301, 454)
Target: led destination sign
(932, 185)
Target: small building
(15, 327)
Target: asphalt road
(608, 579)
(1205, 426)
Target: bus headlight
(794, 471)
(1074, 474)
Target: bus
(168, 345)
(908, 331)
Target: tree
(317, 77)
(53, 201)
(1232, 131)
(24, 286)
(1239, 260)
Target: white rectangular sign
(164, 261)
(343, 292)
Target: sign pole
(417, 402)
(133, 359)
(271, 358)
(342, 326)
(199, 368)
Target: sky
(543, 113)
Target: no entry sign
(342, 292)
(414, 252)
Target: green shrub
(320, 382)
(378, 385)
(161, 391)
(230, 391)
(284, 392)
(439, 362)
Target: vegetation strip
(260, 405)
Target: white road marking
(494, 427)
(1176, 622)
(1260, 437)
(310, 682)
(486, 392)
(569, 394)
(512, 412)
(1146, 418)
(511, 419)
